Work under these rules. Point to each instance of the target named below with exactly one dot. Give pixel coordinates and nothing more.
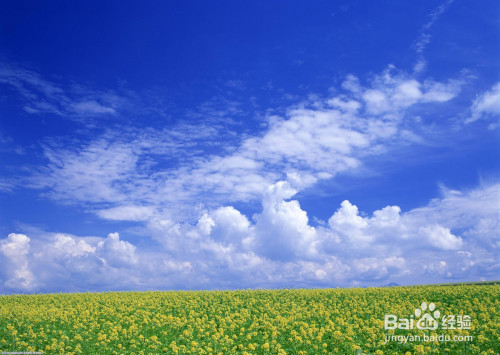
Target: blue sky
(196, 145)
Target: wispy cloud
(42, 96)
(206, 162)
(7, 185)
(424, 36)
(486, 105)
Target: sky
(176, 145)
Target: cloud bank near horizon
(454, 237)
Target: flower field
(344, 321)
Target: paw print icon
(428, 316)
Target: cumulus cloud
(66, 262)
(346, 222)
(16, 273)
(65, 245)
(441, 237)
(454, 237)
(387, 232)
(228, 225)
(116, 252)
(428, 227)
(282, 229)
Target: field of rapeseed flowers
(344, 321)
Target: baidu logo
(427, 317)
(427, 320)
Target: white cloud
(229, 226)
(79, 254)
(392, 91)
(454, 237)
(88, 174)
(116, 252)
(65, 262)
(15, 264)
(66, 245)
(473, 213)
(441, 92)
(379, 268)
(385, 228)
(127, 213)
(352, 84)
(461, 209)
(376, 101)
(142, 174)
(384, 246)
(387, 217)
(408, 91)
(486, 105)
(349, 225)
(205, 224)
(345, 104)
(439, 268)
(282, 229)
(441, 237)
